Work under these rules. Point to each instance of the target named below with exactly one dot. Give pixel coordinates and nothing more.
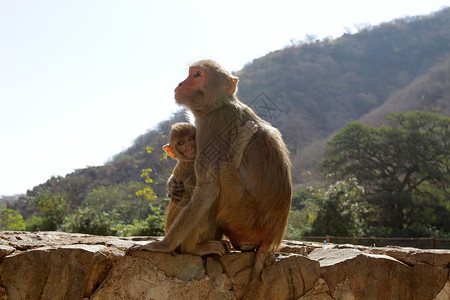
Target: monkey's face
(192, 88)
(186, 146)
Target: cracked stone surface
(55, 265)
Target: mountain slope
(321, 86)
(427, 92)
(310, 91)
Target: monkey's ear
(231, 86)
(169, 150)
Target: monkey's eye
(180, 143)
(197, 74)
(192, 138)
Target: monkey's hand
(156, 246)
(250, 126)
(245, 134)
(176, 189)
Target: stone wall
(54, 265)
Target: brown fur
(254, 213)
(198, 241)
(265, 168)
(259, 221)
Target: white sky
(80, 80)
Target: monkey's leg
(237, 212)
(231, 185)
(202, 239)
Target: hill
(309, 91)
(427, 92)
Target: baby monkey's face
(186, 146)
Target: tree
(88, 220)
(51, 210)
(154, 225)
(121, 198)
(122, 209)
(337, 210)
(10, 219)
(403, 167)
(125, 209)
(340, 211)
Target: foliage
(92, 221)
(337, 210)
(147, 191)
(152, 226)
(10, 219)
(126, 208)
(121, 198)
(52, 209)
(318, 86)
(119, 210)
(33, 223)
(298, 225)
(403, 167)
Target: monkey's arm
(237, 147)
(203, 198)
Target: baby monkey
(205, 238)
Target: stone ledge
(55, 265)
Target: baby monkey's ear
(169, 150)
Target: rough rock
(5, 250)
(72, 271)
(352, 274)
(444, 293)
(54, 265)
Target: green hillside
(321, 86)
(309, 91)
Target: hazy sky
(80, 80)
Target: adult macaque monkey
(204, 238)
(259, 222)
